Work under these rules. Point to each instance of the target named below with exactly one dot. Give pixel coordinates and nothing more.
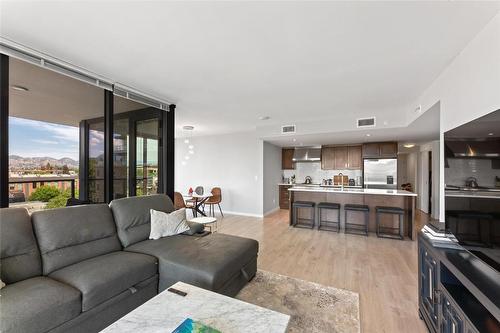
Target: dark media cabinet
(458, 293)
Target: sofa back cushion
(72, 234)
(19, 255)
(132, 216)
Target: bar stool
(386, 232)
(326, 224)
(355, 228)
(303, 222)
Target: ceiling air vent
(287, 129)
(366, 122)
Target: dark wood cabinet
(452, 320)
(341, 157)
(428, 277)
(327, 158)
(284, 196)
(380, 149)
(389, 149)
(446, 301)
(287, 159)
(354, 159)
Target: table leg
(198, 205)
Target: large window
(71, 139)
(45, 110)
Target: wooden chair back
(179, 201)
(216, 195)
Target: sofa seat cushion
(37, 305)
(207, 262)
(106, 276)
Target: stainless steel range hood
(307, 154)
(472, 148)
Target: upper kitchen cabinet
(341, 157)
(354, 159)
(287, 159)
(327, 158)
(380, 150)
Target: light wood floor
(382, 271)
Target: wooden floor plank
(382, 271)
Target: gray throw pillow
(194, 228)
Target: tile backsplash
(313, 169)
(461, 169)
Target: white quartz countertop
(367, 191)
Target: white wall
(232, 162)
(271, 177)
(467, 89)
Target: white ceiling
(227, 63)
(424, 129)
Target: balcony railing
(39, 181)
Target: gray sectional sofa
(78, 269)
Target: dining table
(198, 201)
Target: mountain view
(17, 162)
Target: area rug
(312, 307)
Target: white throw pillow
(2, 284)
(164, 224)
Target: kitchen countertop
(318, 185)
(473, 194)
(369, 191)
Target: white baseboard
(273, 210)
(243, 214)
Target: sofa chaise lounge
(78, 269)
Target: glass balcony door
(147, 156)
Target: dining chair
(180, 203)
(215, 199)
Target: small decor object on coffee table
(208, 221)
(191, 326)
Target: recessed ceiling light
(191, 152)
(409, 145)
(186, 157)
(191, 147)
(294, 139)
(186, 140)
(264, 118)
(20, 88)
(368, 134)
(188, 128)
(490, 134)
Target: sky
(31, 138)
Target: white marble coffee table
(166, 311)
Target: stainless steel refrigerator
(381, 173)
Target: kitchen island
(369, 197)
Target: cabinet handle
(430, 285)
(436, 297)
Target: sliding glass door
(137, 152)
(147, 156)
